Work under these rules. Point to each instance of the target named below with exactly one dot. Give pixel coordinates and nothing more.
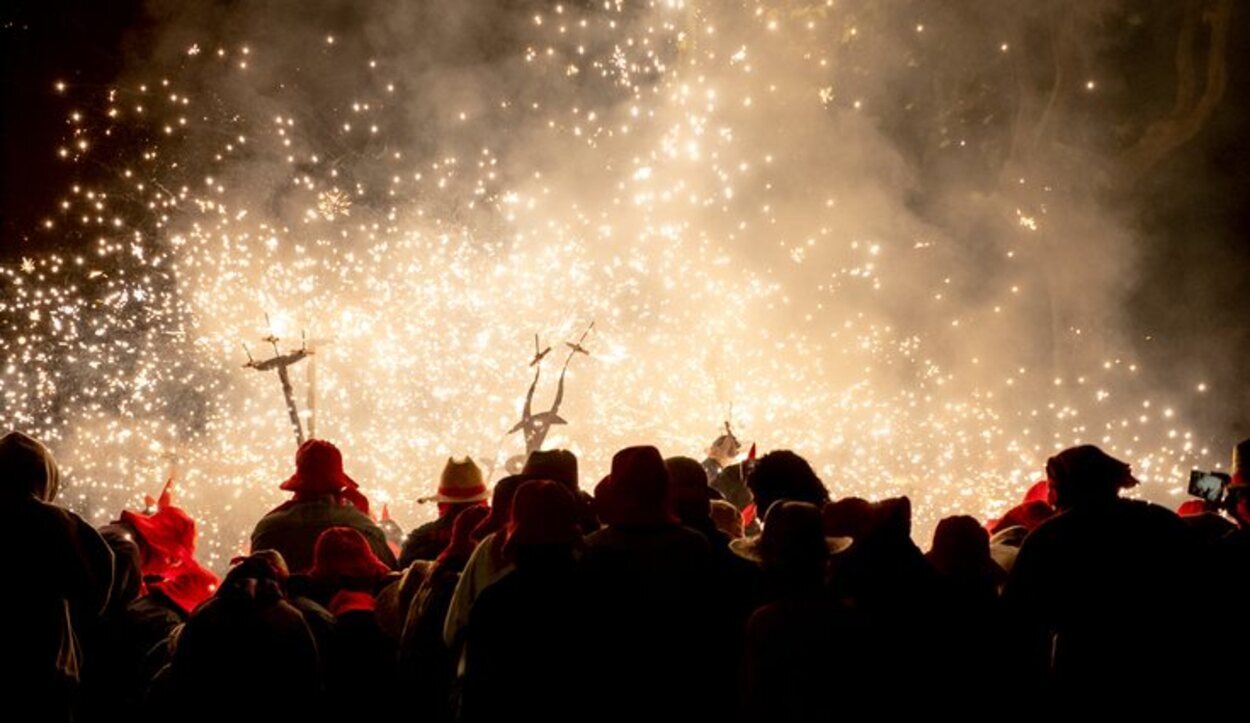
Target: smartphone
(1208, 486)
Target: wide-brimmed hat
(791, 529)
(557, 465)
(318, 469)
(544, 514)
(636, 492)
(1086, 472)
(168, 534)
(461, 482)
(343, 553)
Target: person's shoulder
(1153, 515)
(498, 593)
(691, 539)
(427, 527)
(50, 512)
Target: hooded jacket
(61, 570)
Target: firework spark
(696, 201)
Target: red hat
(352, 601)
(1027, 515)
(461, 482)
(168, 538)
(1189, 508)
(187, 585)
(167, 535)
(344, 553)
(636, 493)
(1040, 492)
(318, 469)
(543, 513)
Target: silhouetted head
(500, 507)
(544, 521)
(793, 544)
(462, 543)
(848, 517)
(259, 577)
(557, 465)
(688, 490)
(636, 492)
(28, 467)
(1085, 475)
(727, 518)
(961, 547)
(343, 558)
(784, 475)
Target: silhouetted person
(427, 667)
(893, 590)
(969, 617)
(737, 583)
(1232, 571)
(485, 565)
(1102, 593)
(59, 573)
(652, 581)
(560, 465)
(784, 475)
(356, 655)
(802, 648)
(527, 629)
(460, 487)
(247, 643)
(727, 518)
(114, 677)
(166, 541)
(325, 497)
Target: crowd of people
(672, 589)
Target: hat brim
(748, 548)
(296, 482)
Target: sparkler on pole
(536, 426)
(281, 362)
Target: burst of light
(422, 314)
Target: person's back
(247, 643)
(1112, 584)
(60, 570)
(324, 497)
(652, 585)
(804, 650)
(524, 639)
(426, 541)
(527, 631)
(293, 528)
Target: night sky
(1192, 289)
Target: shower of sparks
(431, 274)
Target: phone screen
(1207, 485)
